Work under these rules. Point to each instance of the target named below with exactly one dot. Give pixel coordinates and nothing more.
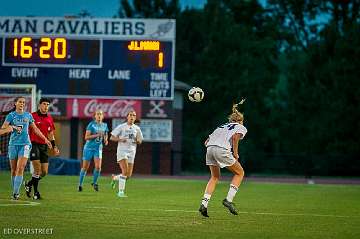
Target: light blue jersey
(22, 121)
(96, 128)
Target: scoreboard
(87, 57)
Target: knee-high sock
(35, 181)
(12, 182)
(122, 182)
(82, 176)
(17, 183)
(232, 191)
(96, 175)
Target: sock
(82, 176)
(231, 194)
(206, 199)
(96, 175)
(12, 182)
(122, 182)
(116, 177)
(17, 183)
(35, 181)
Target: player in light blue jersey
(20, 144)
(96, 135)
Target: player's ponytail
(236, 116)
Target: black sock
(35, 183)
(30, 182)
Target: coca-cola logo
(117, 108)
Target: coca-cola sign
(85, 108)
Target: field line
(17, 203)
(240, 212)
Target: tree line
(295, 62)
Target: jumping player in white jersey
(222, 151)
(128, 135)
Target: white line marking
(242, 212)
(17, 203)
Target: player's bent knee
(215, 178)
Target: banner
(85, 108)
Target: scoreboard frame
(104, 30)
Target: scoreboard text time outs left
(128, 58)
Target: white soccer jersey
(130, 132)
(222, 135)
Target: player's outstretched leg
(234, 187)
(210, 188)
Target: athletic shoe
(203, 211)
(37, 196)
(80, 189)
(121, 194)
(113, 182)
(27, 189)
(95, 186)
(230, 206)
(15, 196)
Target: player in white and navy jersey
(96, 135)
(20, 144)
(128, 135)
(222, 151)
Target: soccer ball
(196, 94)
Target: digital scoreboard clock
(113, 58)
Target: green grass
(159, 208)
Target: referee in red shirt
(39, 152)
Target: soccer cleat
(80, 189)
(95, 186)
(15, 196)
(37, 196)
(203, 211)
(27, 189)
(121, 194)
(230, 206)
(113, 182)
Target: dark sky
(60, 8)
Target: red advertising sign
(85, 108)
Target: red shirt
(45, 124)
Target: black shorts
(39, 152)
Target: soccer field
(167, 208)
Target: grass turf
(167, 208)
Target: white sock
(122, 182)
(231, 194)
(206, 199)
(116, 177)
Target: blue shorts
(89, 154)
(17, 151)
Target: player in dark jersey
(39, 152)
